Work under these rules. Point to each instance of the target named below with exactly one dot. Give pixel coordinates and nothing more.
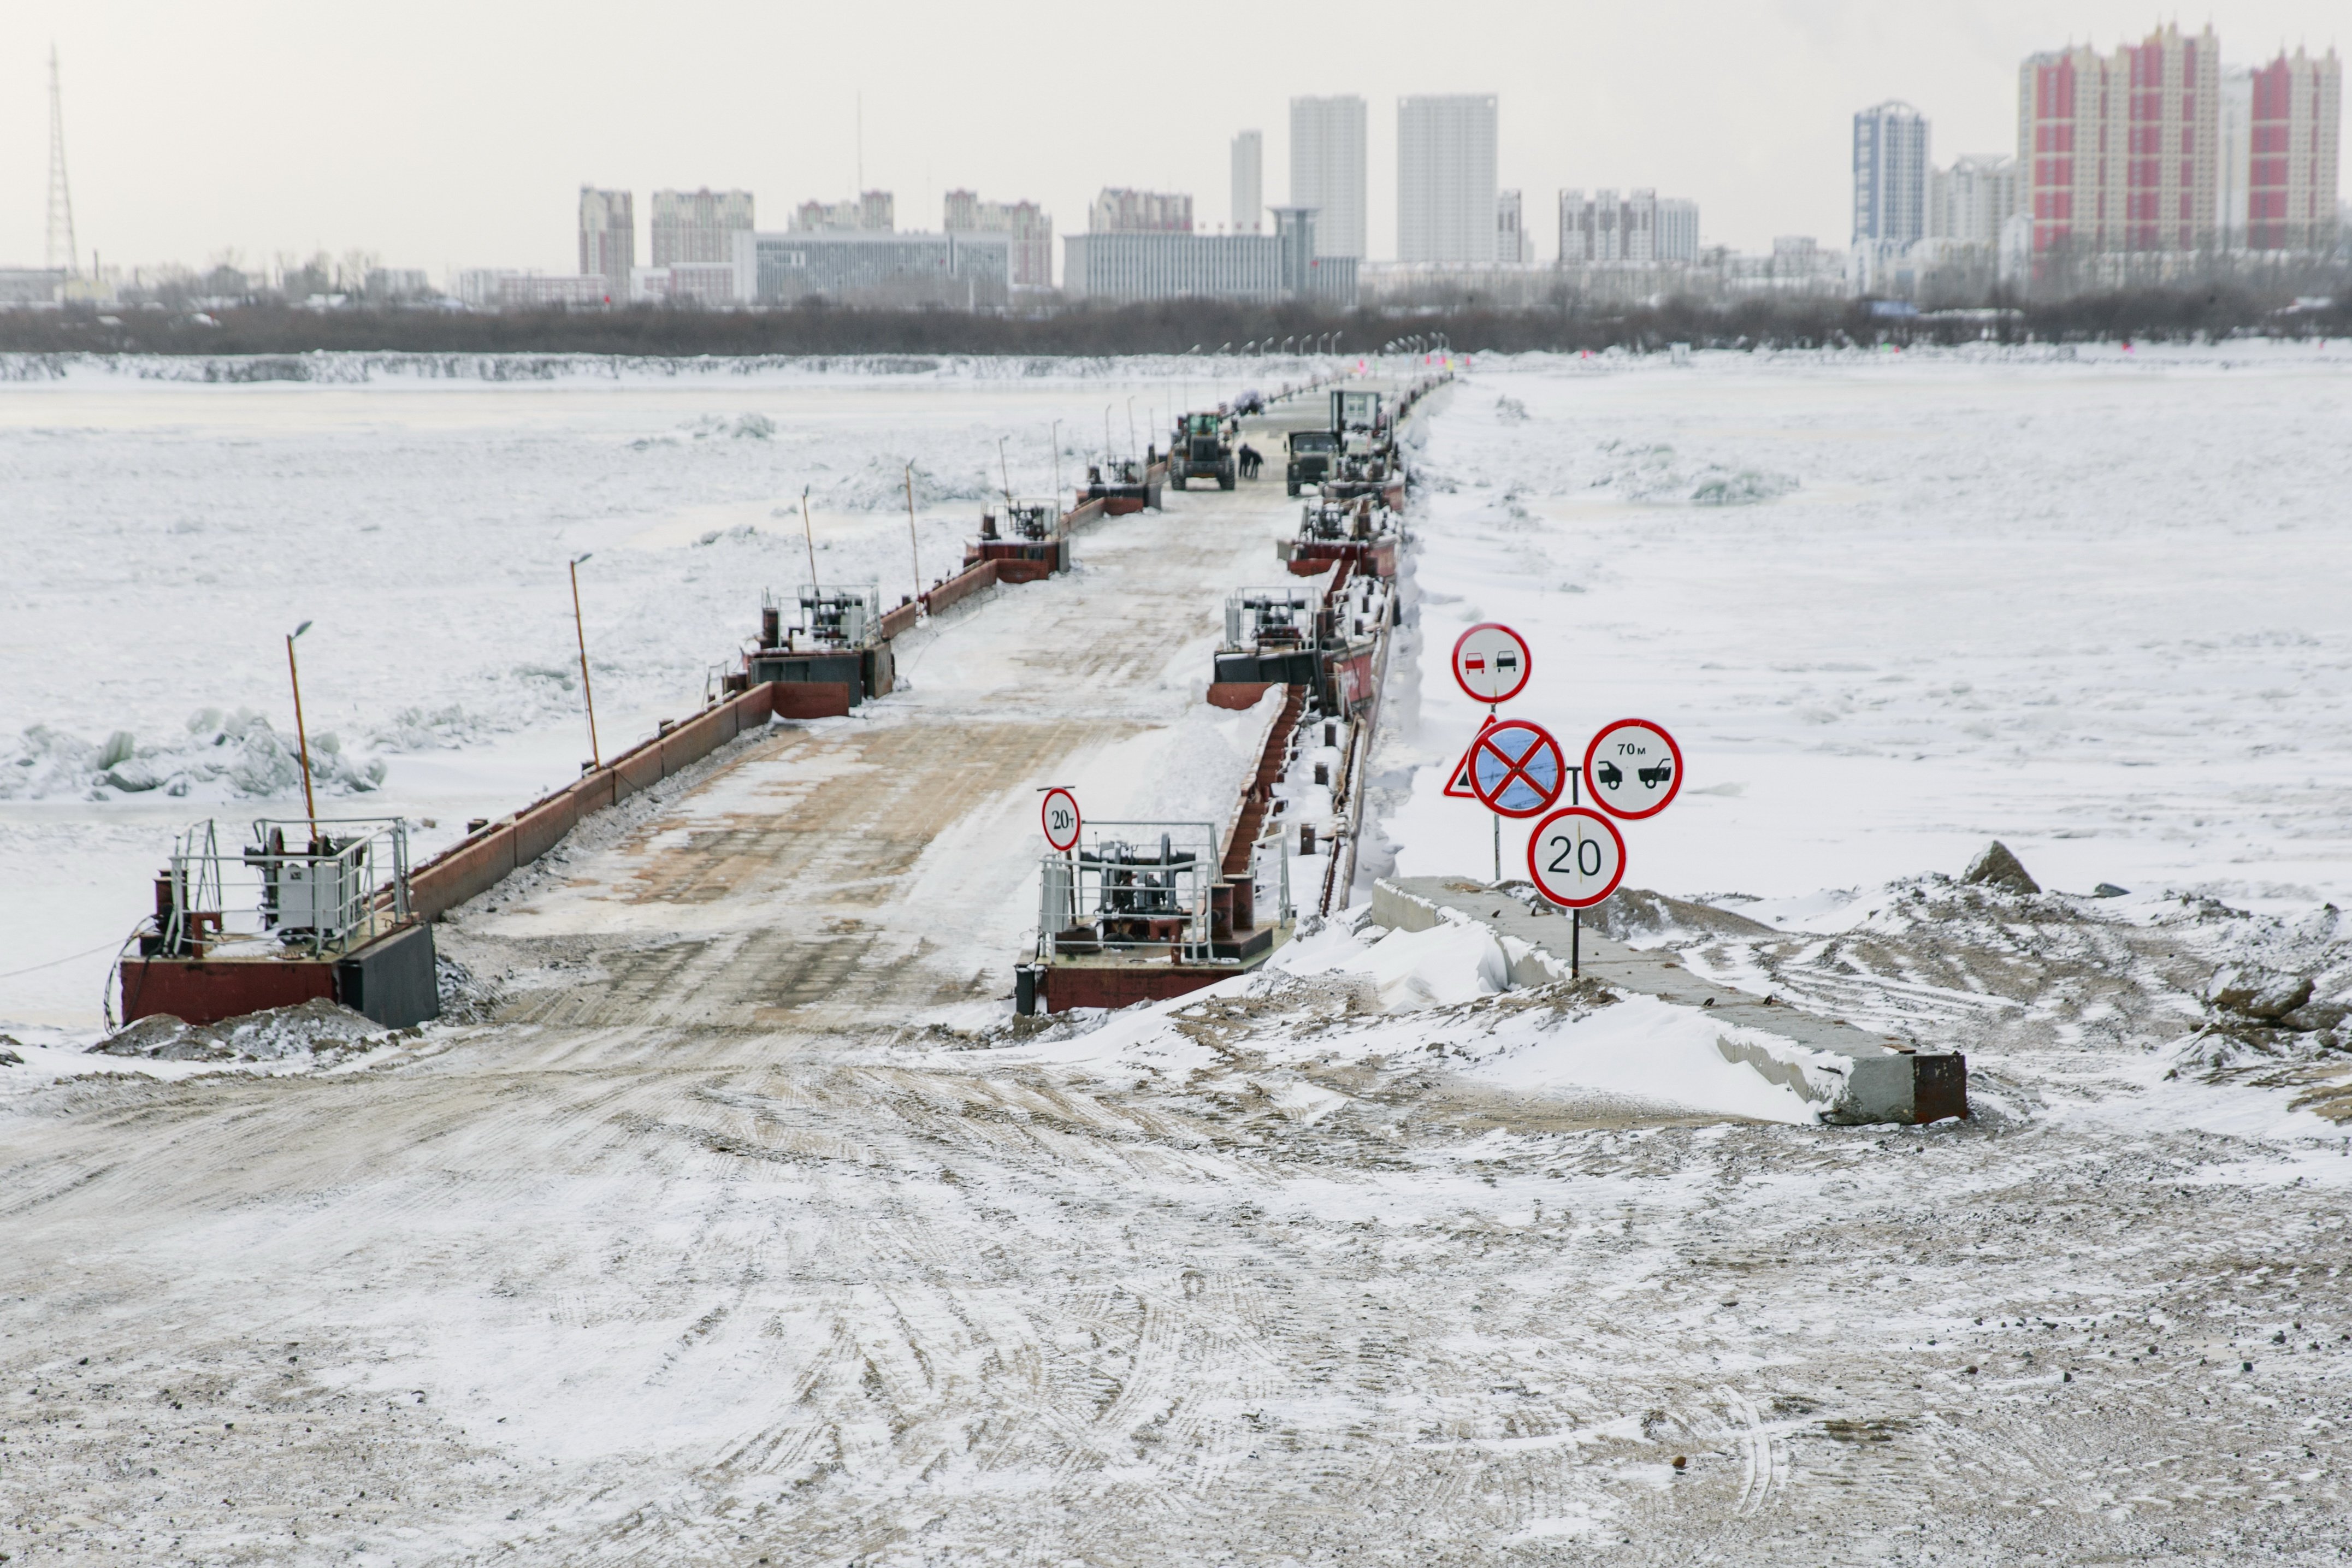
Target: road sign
(1490, 662)
(1575, 857)
(1457, 783)
(1633, 768)
(1060, 814)
(1516, 768)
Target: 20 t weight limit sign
(1576, 858)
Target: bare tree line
(1565, 324)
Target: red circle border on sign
(1543, 737)
(1535, 867)
(1526, 663)
(1611, 728)
(1077, 822)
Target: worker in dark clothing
(1250, 461)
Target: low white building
(688, 283)
(967, 271)
(509, 288)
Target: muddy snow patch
(278, 1034)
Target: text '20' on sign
(1060, 816)
(1633, 768)
(1575, 857)
(1516, 768)
(1490, 662)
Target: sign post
(1491, 665)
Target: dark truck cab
(1314, 453)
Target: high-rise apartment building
(874, 212)
(1249, 182)
(2235, 164)
(1890, 176)
(1328, 167)
(1638, 227)
(2122, 153)
(1031, 230)
(2295, 127)
(1120, 210)
(1511, 243)
(696, 227)
(1969, 203)
(1445, 179)
(608, 238)
(1678, 229)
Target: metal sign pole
(1497, 815)
(1575, 916)
(914, 544)
(808, 533)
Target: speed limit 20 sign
(1576, 858)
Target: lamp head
(298, 630)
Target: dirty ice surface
(1894, 606)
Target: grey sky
(439, 133)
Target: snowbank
(1349, 995)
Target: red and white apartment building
(2122, 152)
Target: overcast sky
(441, 135)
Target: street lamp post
(580, 630)
(301, 735)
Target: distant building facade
(699, 283)
(608, 238)
(385, 284)
(1328, 170)
(2235, 163)
(1120, 210)
(698, 227)
(505, 288)
(31, 286)
(874, 266)
(1445, 179)
(1027, 225)
(1249, 182)
(1511, 244)
(2295, 128)
(2122, 153)
(1890, 176)
(1174, 266)
(1639, 226)
(872, 212)
(1969, 202)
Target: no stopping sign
(1576, 858)
(1516, 768)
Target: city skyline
(181, 151)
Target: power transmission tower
(62, 250)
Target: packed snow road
(739, 1224)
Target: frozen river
(2093, 606)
